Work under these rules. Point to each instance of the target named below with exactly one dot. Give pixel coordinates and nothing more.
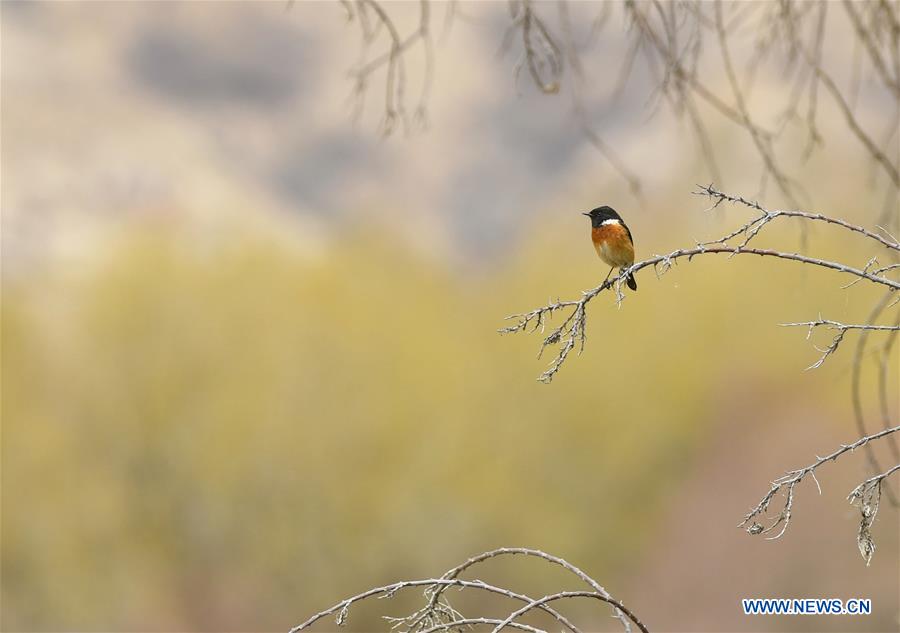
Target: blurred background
(249, 353)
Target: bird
(612, 240)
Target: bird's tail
(631, 282)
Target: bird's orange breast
(613, 244)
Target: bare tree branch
(562, 595)
(876, 153)
(342, 608)
(466, 622)
(763, 145)
(522, 551)
(579, 103)
(438, 615)
(793, 478)
(393, 58)
(842, 329)
(670, 36)
(867, 497)
(883, 367)
(571, 333)
(856, 387)
(542, 54)
(865, 38)
(767, 216)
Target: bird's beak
(587, 214)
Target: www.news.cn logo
(806, 606)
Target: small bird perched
(612, 239)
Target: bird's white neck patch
(610, 221)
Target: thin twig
(712, 192)
(763, 145)
(842, 329)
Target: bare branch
(393, 58)
(814, 138)
(671, 35)
(522, 551)
(763, 145)
(883, 399)
(572, 332)
(876, 153)
(388, 591)
(842, 329)
(867, 497)
(541, 51)
(678, 70)
(578, 101)
(467, 622)
(865, 37)
(856, 387)
(719, 197)
(790, 480)
(562, 595)
(438, 615)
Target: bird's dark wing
(627, 230)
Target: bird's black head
(601, 214)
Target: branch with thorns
(866, 496)
(572, 332)
(767, 216)
(886, 239)
(439, 615)
(842, 328)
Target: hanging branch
(867, 497)
(669, 37)
(794, 477)
(394, 59)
